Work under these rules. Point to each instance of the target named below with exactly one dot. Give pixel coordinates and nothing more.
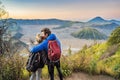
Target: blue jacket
(44, 45)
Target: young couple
(42, 47)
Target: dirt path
(84, 76)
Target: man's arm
(38, 47)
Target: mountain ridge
(99, 19)
(39, 21)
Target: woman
(43, 60)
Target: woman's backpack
(33, 62)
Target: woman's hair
(39, 38)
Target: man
(47, 35)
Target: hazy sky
(63, 9)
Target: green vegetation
(11, 67)
(115, 37)
(89, 33)
(94, 60)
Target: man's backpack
(33, 62)
(54, 51)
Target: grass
(11, 67)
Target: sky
(62, 9)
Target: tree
(114, 37)
(3, 28)
(9, 44)
(11, 64)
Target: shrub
(11, 67)
(66, 66)
(117, 70)
(115, 37)
(111, 50)
(92, 67)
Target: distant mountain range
(98, 23)
(115, 21)
(39, 21)
(110, 26)
(96, 20)
(63, 23)
(101, 20)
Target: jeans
(36, 75)
(51, 70)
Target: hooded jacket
(44, 45)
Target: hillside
(99, 58)
(89, 33)
(39, 21)
(110, 26)
(115, 21)
(68, 24)
(94, 59)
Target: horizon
(68, 19)
(77, 10)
